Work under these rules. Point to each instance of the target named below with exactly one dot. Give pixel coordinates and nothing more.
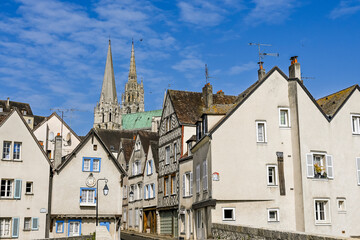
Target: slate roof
(38, 120)
(332, 103)
(140, 120)
(146, 137)
(19, 105)
(189, 106)
(113, 137)
(155, 151)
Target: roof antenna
(207, 73)
(263, 54)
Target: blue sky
(52, 52)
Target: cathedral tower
(133, 97)
(107, 114)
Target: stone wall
(223, 231)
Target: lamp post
(105, 191)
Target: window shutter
(310, 165)
(15, 227)
(358, 169)
(17, 192)
(329, 166)
(191, 183)
(35, 224)
(153, 189)
(145, 191)
(133, 168)
(151, 162)
(183, 184)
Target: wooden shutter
(191, 183)
(35, 224)
(145, 191)
(205, 175)
(15, 227)
(310, 164)
(329, 166)
(358, 169)
(183, 184)
(198, 178)
(17, 192)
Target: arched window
(103, 117)
(128, 110)
(109, 117)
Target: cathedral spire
(132, 71)
(108, 91)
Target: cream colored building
(24, 174)
(75, 194)
(281, 160)
(49, 128)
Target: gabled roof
(38, 120)
(54, 114)
(146, 137)
(189, 106)
(92, 133)
(112, 138)
(127, 148)
(155, 151)
(140, 120)
(332, 103)
(19, 105)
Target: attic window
(1, 109)
(112, 148)
(95, 147)
(24, 112)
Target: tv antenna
(62, 110)
(207, 74)
(302, 78)
(263, 54)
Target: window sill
(7, 198)
(320, 179)
(11, 160)
(322, 224)
(356, 134)
(342, 211)
(87, 204)
(26, 230)
(261, 142)
(227, 220)
(273, 221)
(29, 194)
(272, 186)
(187, 196)
(284, 127)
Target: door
(175, 232)
(106, 224)
(199, 225)
(165, 222)
(74, 229)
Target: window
(125, 192)
(284, 117)
(173, 184)
(136, 168)
(187, 184)
(6, 150)
(59, 226)
(167, 155)
(130, 218)
(138, 191)
(273, 215)
(341, 206)
(358, 170)
(146, 192)
(29, 121)
(152, 190)
(149, 167)
(319, 165)
(6, 188)
(1, 109)
(5, 227)
(95, 147)
(182, 223)
(322, 211)
(271, 175)
(91, 164)
(228, 214)
(29, 188)
(87, 196)
(175, 152)
(131, 196)
(204, 125)
(198, 178)
(261, 131)
(27, 224)
(17, 150)
(15, 227)
(124, 215)
(355, 122)
(205, 176)
(137, 217)
(74, 228)
(166, 185)
(35, 224)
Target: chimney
(8, 103)
(220, 93)
(294, 69)
(207, 95)
(261, 71)
(58, 150)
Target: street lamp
(105, 191)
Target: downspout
(48, 215)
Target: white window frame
(137, 217)
(149, 167)
(264, 132)
(73, 233)
(5, 222)
(27, 223)
(182, 223)
(98, 165)
(205, 176)
(173, 184)
(275, 177)
(358, 170)
(327, 217)
(223, 214)
(343, 200)
(8, 150)
(131, 217)
(287, 117)
(85, 201)
(87, 169)
(198, 178)
(175, 151)
(277, 219)
(166, 185)
(187, 182)
(167, 155)
(12, 187)
(355, 129)
(17, 156)
(125, 192)
(31, 188)
(327, 165)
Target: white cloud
(345, 8)
(189, 64)
(242, 68)
(271, 12)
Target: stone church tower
(107, 113)
(133, 97)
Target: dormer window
(1, 109)
(24, 112)
(204, 125)
(198, 131)
(112, 148)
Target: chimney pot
(207, 95)
(294, 68)
(261, 71)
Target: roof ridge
(353, 86)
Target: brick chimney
(261, 71)
(207, 95)
(8, 103)
(294, 69)
(58, 150)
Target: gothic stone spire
(108, 91)
(132, 71)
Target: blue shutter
(17, 192)
(153, 189)
(151, 166)
(91, 164)
(145, 192)
(35, 224)
(106, 224)
(15, 227)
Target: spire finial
(132, 71)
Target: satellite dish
(51, 136)
(68, 137)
